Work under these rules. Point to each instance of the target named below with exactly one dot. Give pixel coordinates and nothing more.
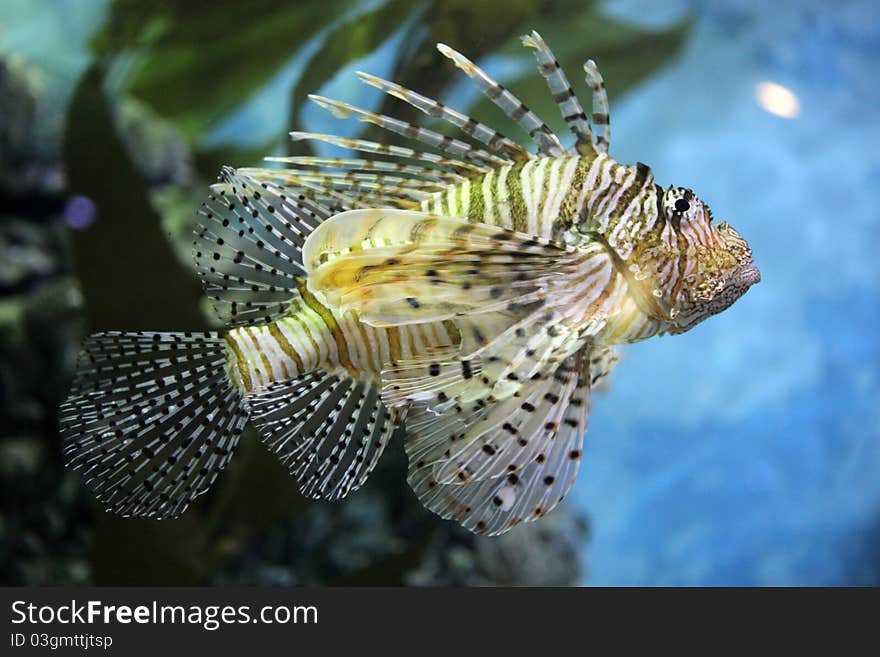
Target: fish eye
(681, 205)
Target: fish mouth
(745, 276)
(736, 284)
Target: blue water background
(748, 450)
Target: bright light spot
(505, 498)
(778, 100)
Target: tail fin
(152, 419)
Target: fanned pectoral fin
(402, 267)
(518, 484)
(500, 354)
(483, 438)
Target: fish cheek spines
(705, 268)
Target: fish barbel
(472, 294)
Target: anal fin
(328, 429)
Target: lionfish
(471, 294)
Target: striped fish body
(584, 200)
(543, 196)
(312, 336)
(317, 337)
(538, 196)
(549, 196)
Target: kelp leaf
(130, 277)
(199, 60)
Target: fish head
(709, 265)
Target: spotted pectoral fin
(493, 505)
(483, 438)
(328, 429)
(498, 354)
(602, 361)
(432, 378)
(398, 267)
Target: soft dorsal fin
(248, 247)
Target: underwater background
(744, 452)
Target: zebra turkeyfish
(470, 293)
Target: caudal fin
(152, 418)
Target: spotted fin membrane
(494, 505)
(397, 267)
(152, 418)
(476, 440)
(493, 416)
